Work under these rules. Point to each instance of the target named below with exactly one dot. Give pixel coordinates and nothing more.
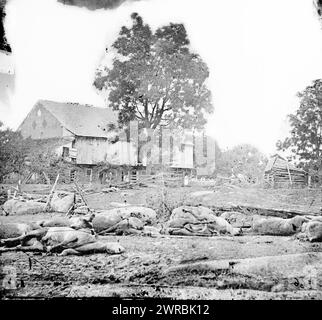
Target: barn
(85, 136)
(279, 172)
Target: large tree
(305, 141)
(155, 78)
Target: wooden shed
(279, 172)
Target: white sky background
(260, 53)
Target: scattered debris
(79, 209)
(57, 201)
(110, 189)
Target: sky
(260, 54)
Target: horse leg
(13, 242)
(69, 252)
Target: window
(89, 174)
(65, 152)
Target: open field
(144, 270)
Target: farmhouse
(87, 141)
(281, 173)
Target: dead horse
(65, 240)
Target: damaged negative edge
(318, 5)
(95, 4)
(4, 45)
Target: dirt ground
(141, 270)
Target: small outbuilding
(279, 172)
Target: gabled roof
(276, 161)
(81, 120)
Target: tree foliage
(12, 150)
(243, 159)
(24, 156)
(155, 78)
(41, 158)
(305, 139)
